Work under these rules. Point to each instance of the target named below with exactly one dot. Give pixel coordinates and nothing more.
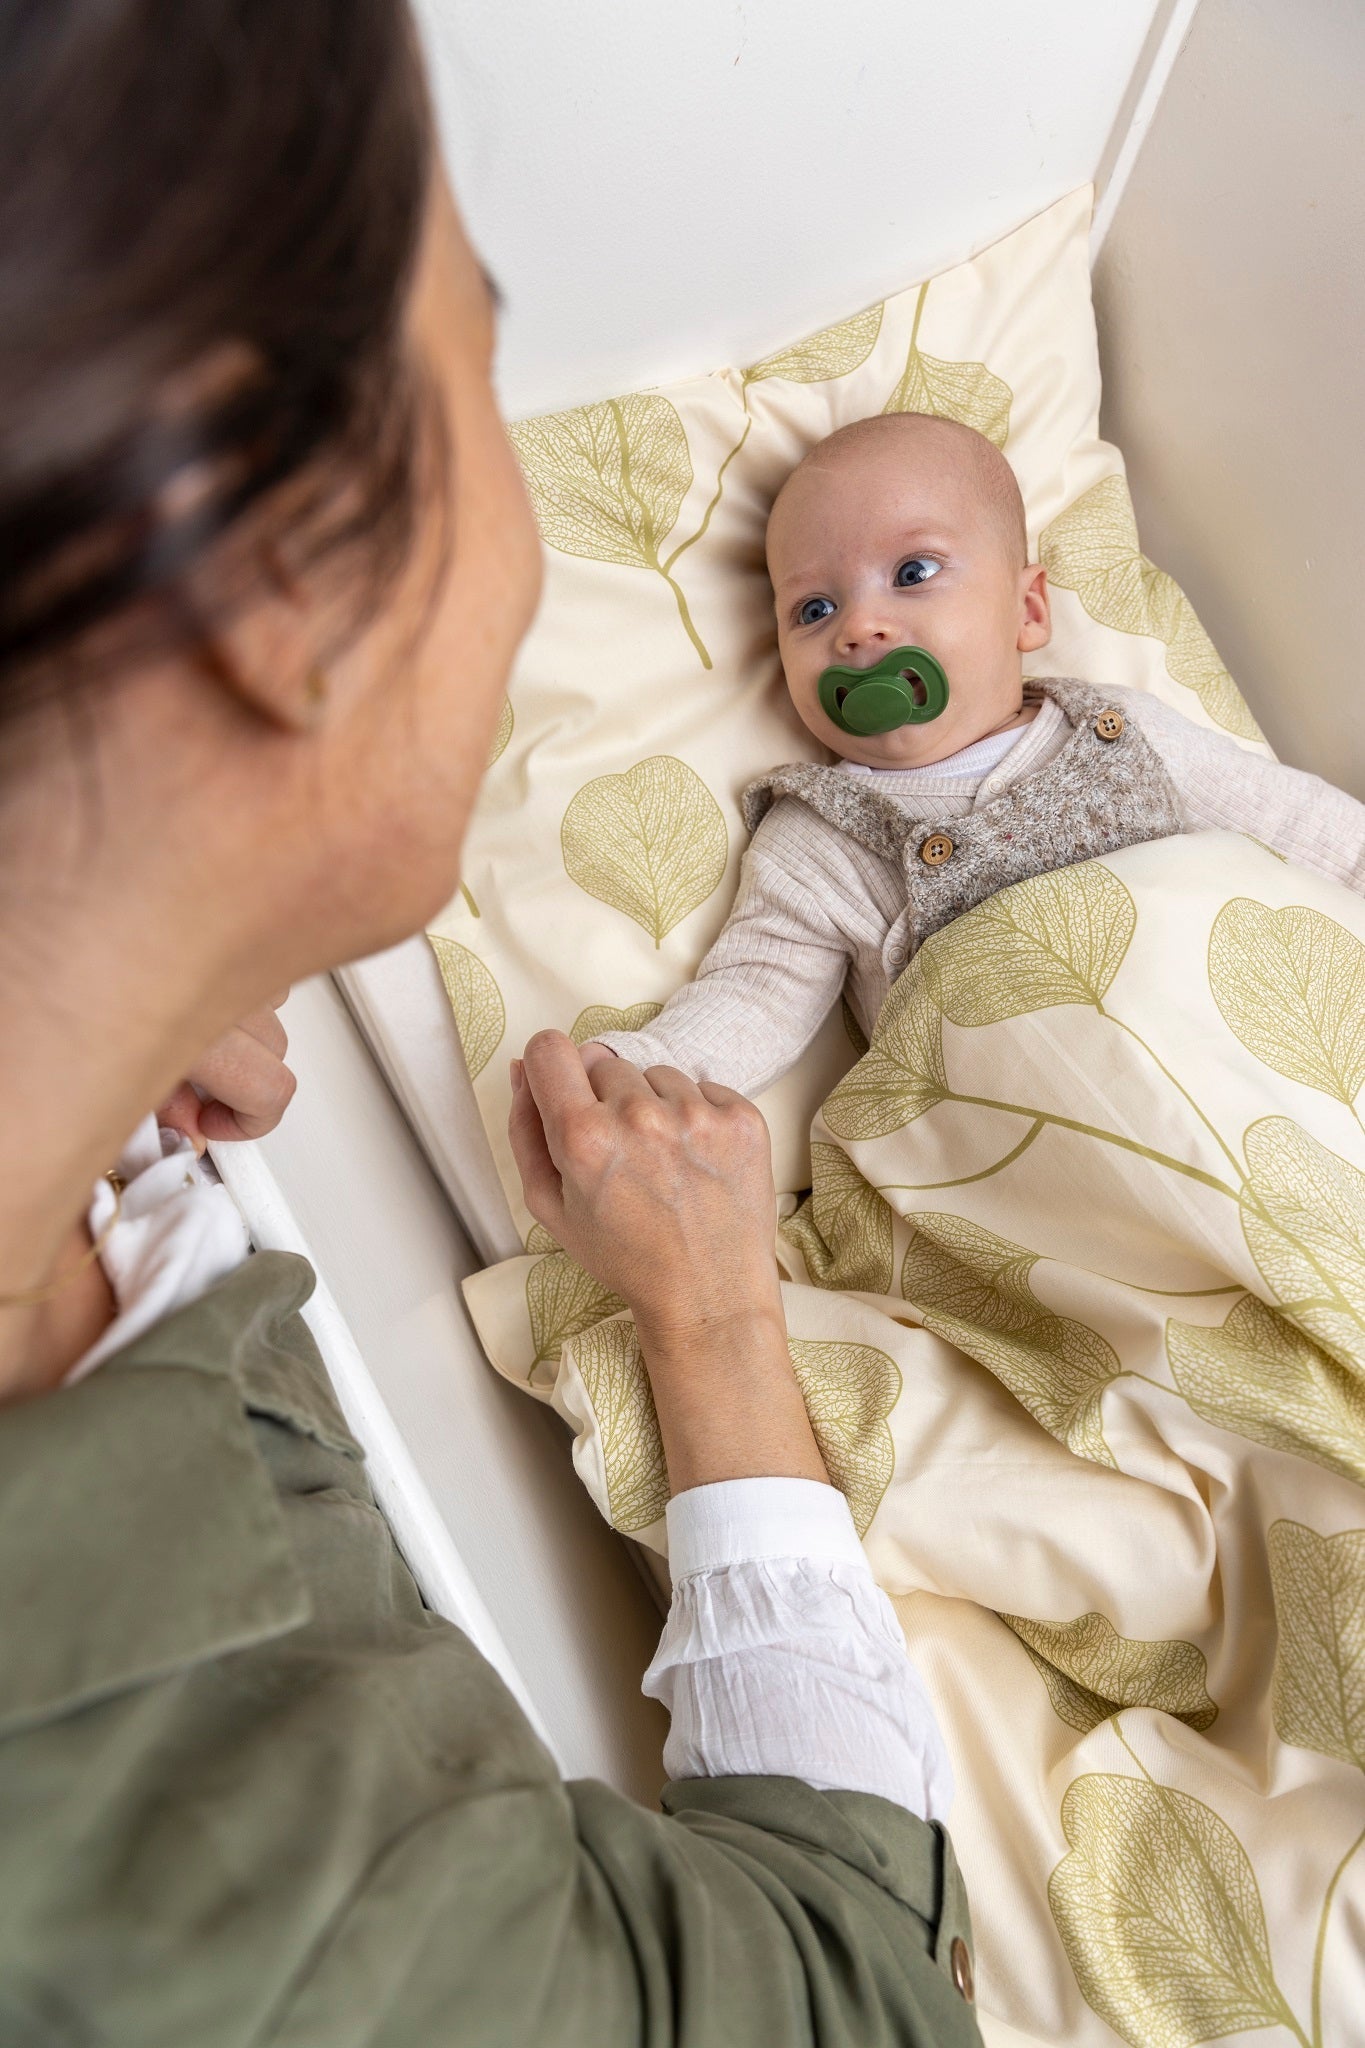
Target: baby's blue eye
(808, 617)
(918, 569)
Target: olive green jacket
(252, 1790)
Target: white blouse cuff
(742, 1521)
(781, 1656)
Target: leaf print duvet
(1077, 1302)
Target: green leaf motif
(561, 1301)
(833, 352)
(1056, 938)
(1091, 1671)
(849, 1391)
(1303, 1217)
(538, 1239)
(1291, 985)
(843, 1229)
(1161, 1916)
(600, 1017)
(502, 734)
(1092, 548)
(967, 392)
(607, 481)
(480, 1018)
(1318, 1692)
(651, 842)
(613, 1372)
(974, 1289)
(1257, 1376)
(901, 1075)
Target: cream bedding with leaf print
(605, 850)
(1077, 1300)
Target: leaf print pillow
(604, 854)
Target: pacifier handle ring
(918, 689)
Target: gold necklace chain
(30, 1297)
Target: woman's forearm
(727, 1399)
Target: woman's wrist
(727, 1399)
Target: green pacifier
(906, 687)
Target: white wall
(1231, 299)
(664, 185)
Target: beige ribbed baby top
(818, 914)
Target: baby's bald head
(951, 464)
(906, 531)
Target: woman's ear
(266, 652)
(1035, 626)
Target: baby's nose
(863, 630)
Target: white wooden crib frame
(475, 1479)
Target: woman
(266, 559)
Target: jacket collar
(140, 1528)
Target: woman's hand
(240, 1088)
(662, 1189)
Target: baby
(907, 530)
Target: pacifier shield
(908, 686)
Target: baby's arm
(760, 994)
(1224, 788)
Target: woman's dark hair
(209, 211)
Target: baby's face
(903, 538)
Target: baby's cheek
(805, 697)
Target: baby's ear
(1035, 621)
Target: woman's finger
(265, 1027)
(180, 1112)
(248, 1086)
(617, 1081)
(541, 1184)
(562, 1089)
(224, 1125)
(671, 1084)
(723, 1097)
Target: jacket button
(960, 1963)
(1109, 724)
(937, 848)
